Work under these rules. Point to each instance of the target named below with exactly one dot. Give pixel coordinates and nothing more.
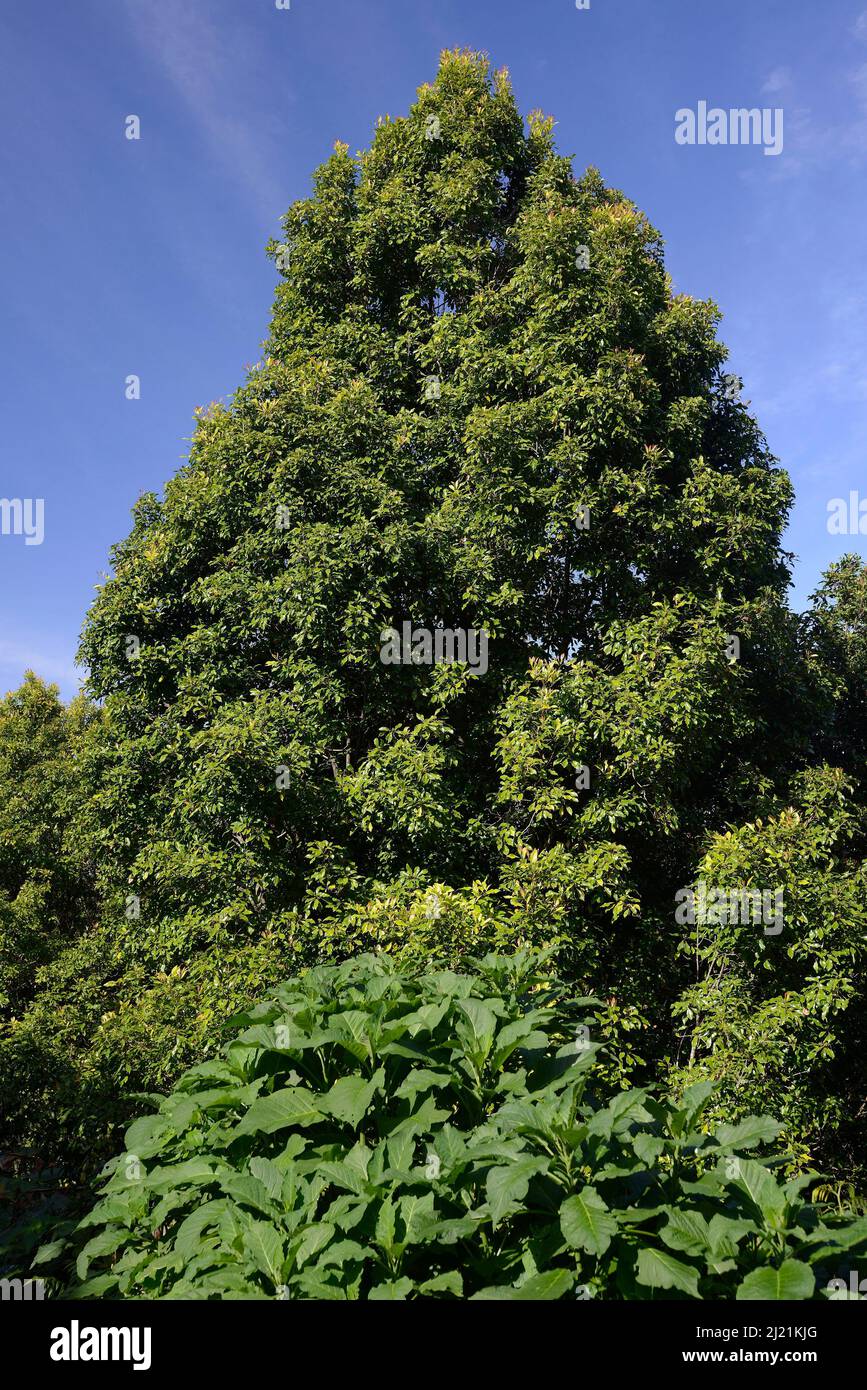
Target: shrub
(370, 1133)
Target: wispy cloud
(212, 64)
(813, 139)
(777, 81)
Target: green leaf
(648, 1148)
(350, 1097)
(48, 1252)
(345, 1175)
(793, 1280)
(508, 1186)
(522, 1033)
(662, 1271)
(755, 1129)
(270, 1176)
(266, 1250)
(416, 1215)
(449, 1146)
(352, 1032)
(106, 1243)
(587, 1223)
(293, 1106)
(147, 1136)
(726, 1232)
(695, 1098)
(190, 1230)
(444, 1283)
(554, 1283)
(687, 1231)
(480, 1026)
(249, 1191)
(625, 1107)
(397, 1290)
(832, 1239)
(386, 1225)
(421, 1079)
(313, 1239)
(759, 1184)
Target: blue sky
(147, 258)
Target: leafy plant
(370, 1133)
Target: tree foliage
(481, 406)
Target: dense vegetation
(371, 1136)
(480, 406)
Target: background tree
(47, 876)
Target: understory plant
(371, 1133)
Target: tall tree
(481, 409)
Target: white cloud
(777, 81)
(859, 28)
(214, 70)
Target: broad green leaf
(422, 1079)
(625, 1107)
(416, 1215)
(350, 1097)
(687, 1231)
(756, 1129)
(397, 1289)
(341, 1252)
(106, 1243)
(479, 1027)
(793, 1280)
(758, 1183)
(313, 1239)
(147, 1136)
(726, 1232)
(648, 1148)
(660, 1270)
(344, 1175)
(554, 1283)
(695, 1098)
(386, 1225)
(293, 1106)
(507, 1186)
(586, 1222)
(832, 1239)
(271, 1177)
(265, 1248)
(48, 1252)
(351, 1028)
(189, 1232)
(249, 1191)
(444, 1283)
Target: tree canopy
(481, 406)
